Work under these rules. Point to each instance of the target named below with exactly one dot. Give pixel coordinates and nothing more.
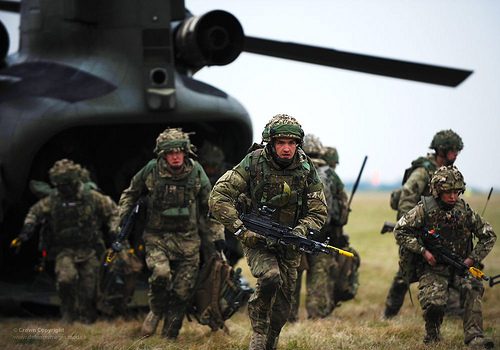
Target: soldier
(76, 215)
(445, 214)
(176, 190)
(211, 157)
(280, 177)
(446, 144)
(344, 271)
(319, 290)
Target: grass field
(357, 324)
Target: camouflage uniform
(319, 289)
(76, 216)
(457, 225)
(415, 186)
(175, 225)
(263, 177)
(344, 274)
(211, 157)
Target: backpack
(417, 163)
(218, 294)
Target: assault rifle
(388, 227)
(265, 226)
(432, 242)
(117, 245)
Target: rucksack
(219, 293)
(417, 163)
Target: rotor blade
(361, 63)
(10, 6)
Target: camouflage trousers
(172, 280)
(319, 287)
(399, 288)
(276, 272)
(434, 292)
(344, 276)
(117, 283)
(76, 280)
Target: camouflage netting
(447, 178)
(64, 171)
(171, 140)
(278, 118)
(331, 156)
(312, 146)
(283, 125)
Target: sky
(392, 121)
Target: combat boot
(432, 333)
(272, 339)
(150, 324)
(257, 341)
(481, 343)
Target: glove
(220, 245)
(250, 238)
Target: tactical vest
(280, 189)
(74, 222)
(339, 206)
(453, 226)
(421, 162)
(172, 204)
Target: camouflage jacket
(456, 228)
(338, 207)
(296, 192)
(417, 184)
(176, 203)
(76, 223)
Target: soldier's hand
(250, 238)
(469, 262)
(431, 260)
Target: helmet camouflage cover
(210, 154)
(331, 156)
(172, 139)
(283, 125)
(447, 178)
(446, 140)
(312, 145)
(65, 171)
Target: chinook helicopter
(97, 81)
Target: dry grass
(355, 325)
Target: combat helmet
(210, 154)
(171, 140)
(447, 178)
(446, 140)
(65, 171)
(331, 156)
(312, 146)
(285, 126)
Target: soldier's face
(175, 159)
(285, 147)
(67, 189)
(450, 197)
(451, 156)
